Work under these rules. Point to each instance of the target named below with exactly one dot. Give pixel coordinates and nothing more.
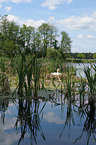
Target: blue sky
(76, 17)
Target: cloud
(9, 138)
(85, 36)
(51, 117)
(80, 36)
(0, 6)
(86, 23)
(51, 19)
(9, 124)
(79, 22)
(16, 1)
(29, 22)
(8, 9)
(52, 4)
(90, 36)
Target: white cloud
(8, 9)
(94, 14)
(52, 4)
(85, 22)
(51, 19)
(0, 6)
(9, 124)
(79, 22)
(80, 36)
(85, 36)
(9, 138)
(16, 1)
(51, 117)
(90, 36)
(29, 22)
(13, 18)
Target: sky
(76, 17)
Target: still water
(80, 68)
(43, 122)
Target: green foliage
(90, 73)
(65, 43)
(29, 40)
(48, 33)
(27, 36)
(94, 56)
(86, 55)
(81, 55)
(52, 53)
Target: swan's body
(56, 73)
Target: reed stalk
(90, 73)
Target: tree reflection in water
(28, 119)
(30, 112)
(83, 110)
(90, 122)
(69, 117)
(4, 103)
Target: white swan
(56, 73)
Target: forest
(41, 42)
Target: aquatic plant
(21, 66)
(81, 86)
(90, 72)
(4, 83)
(36, 75)
(69, 85)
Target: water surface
(42, 122)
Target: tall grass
(36, 76)
(81, 90)
(4, 80)
(23, 65)
(69, 85)
(90, 72)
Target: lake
(44, 122)
(80, 68)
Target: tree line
(83, 55)
(29, 40)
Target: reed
(82, 90)
(90, 72)
(69, 85)
(24, 66)
(4, 79)
(36, 75)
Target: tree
(48, 36)
(94, 56)
(52, 53)
(8, 37)
(65, 44)
(81, 55)
(27, 35)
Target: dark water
(41, 122)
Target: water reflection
(34, 117)
(28, 119)
(4, 103)
(69, 117)
(89, 126)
